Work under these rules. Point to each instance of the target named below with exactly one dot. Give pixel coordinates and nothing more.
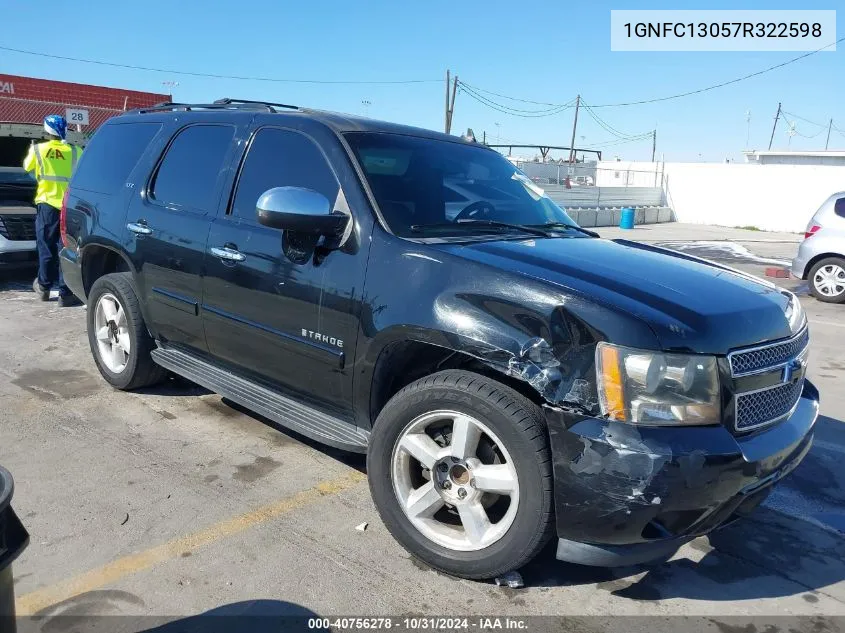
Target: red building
(29, 100)
(25, 101)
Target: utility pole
(446, 123)
(747, 127)
(827, 142)
(574, 126)
(450, 101)
(777, 116)
(653, 144)
(570, 169)
(484, 135)
(452, 105)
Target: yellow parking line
(40, 599)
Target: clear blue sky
(542, 50)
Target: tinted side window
(280, 158)
(839, 207)
(188, 173)
(111, 155)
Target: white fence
(605, 197)
(769, 197)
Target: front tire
(118, 336)
(460, 471)
(827, 280)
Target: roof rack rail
(230, 101)
(220, 104)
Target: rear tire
(482, 515)
(827, 280)
(118, 336)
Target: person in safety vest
(53, 163)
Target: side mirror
(300, 211)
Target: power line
(691, 92)
(496, 94)
(218, 76)
(724, 83)
(795, 116)
(528, 114)
(608, 127)
(805, 136)
(602, 145)
(511, 110)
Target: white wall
(770, 197)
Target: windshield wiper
(525, 228)
(565, 225)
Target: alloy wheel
(112, 333)
(455, 480)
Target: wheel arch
(402, 362)
(817, 258)
(100, 259)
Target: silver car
(821, 256)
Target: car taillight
(63, 218)
(812, 231)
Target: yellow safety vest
(53, 163)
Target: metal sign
(570, 170)
(76, 116)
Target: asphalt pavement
(172, 502)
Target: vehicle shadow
(113, 611)
(17, 279)
(255, 616)
(353, 460)
(769, 555)
(174, 386)
(178, 386)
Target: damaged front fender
(530, 329)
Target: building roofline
(816, 153)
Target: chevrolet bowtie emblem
(792, 371)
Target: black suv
(509, 375)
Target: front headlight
(656, 389)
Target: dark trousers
(49, 241)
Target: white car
(821, 256)
(17, 219)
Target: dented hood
(691, 305)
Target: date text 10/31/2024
(420, 623)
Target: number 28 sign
(76, 116)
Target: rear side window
(281, 158)
(111, 155)
(187, 176)
(839, 207)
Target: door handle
(139, 229)
(227, 254)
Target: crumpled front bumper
(626, 494)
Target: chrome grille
(763, 407)
(769, 356)
(787, 360)
(17, 227)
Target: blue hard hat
(56, 125)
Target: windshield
(433, 188)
